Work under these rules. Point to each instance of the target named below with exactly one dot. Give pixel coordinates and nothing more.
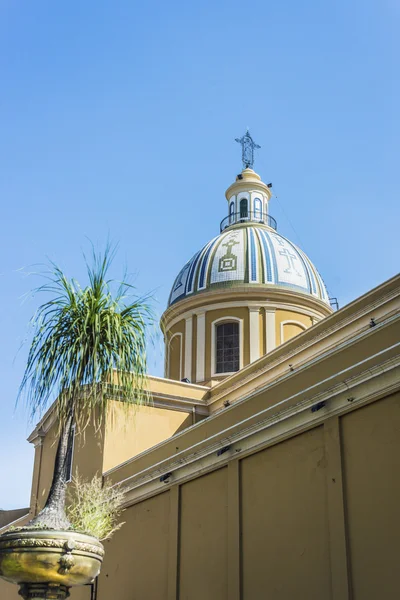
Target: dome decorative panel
(247, 255)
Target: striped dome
(251, 255)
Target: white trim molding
(290, 322)
(254, 325)
(227, 319)
(270, 329)
(188, 348)
(201, 346)
(267, 427)
(180, 354)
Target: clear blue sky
(118, 119)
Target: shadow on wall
(189, 421)
(9, 516)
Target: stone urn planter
(47, 563)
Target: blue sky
(118, 120)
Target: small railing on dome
(246, 217)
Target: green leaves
(89, 344)
(94, 507)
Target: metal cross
(248, 146)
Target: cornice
(246, 294)
(179, 404)
(43, 426)
(297, 368)
(269, 426)
(346, 373)
(250, 304)
(309, 338)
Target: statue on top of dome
(248, 146)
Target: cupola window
(257, 209)
(244, 211)
(228, 348)
(231, 212)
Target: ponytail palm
(88, 346)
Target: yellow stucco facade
(275, 326)
(283, 475)
(301, 502)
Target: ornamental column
(188, 348)
(254, 322)
(201, 346)
(270, 327)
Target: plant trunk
(53, 514)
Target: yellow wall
(290, 330)
(204, 537)
(175, 358)
(371, 453)
(136, 559)
(308, 511)
(276, 523)
(311, 516)
(131, 430)
(175, 349)
(284, 520)
(87, 461)
(48, 453)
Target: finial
(248, 146)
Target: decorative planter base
(43, 591)
(46, 563)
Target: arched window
(257, 209)
(244, 211)
(232, 212)
(227, 358)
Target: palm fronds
(89, 344)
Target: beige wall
(285, 331)
(371, 453)
(136, 560)
(312, 516)
(133, 429)
(175, 351)
(289, 330)
(128, 430)
(203, 534)
(87, 461)
(285, 537)
(45, 468)
(304, 507)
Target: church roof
(251, 255)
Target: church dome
(251, 255)
(244, 293)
